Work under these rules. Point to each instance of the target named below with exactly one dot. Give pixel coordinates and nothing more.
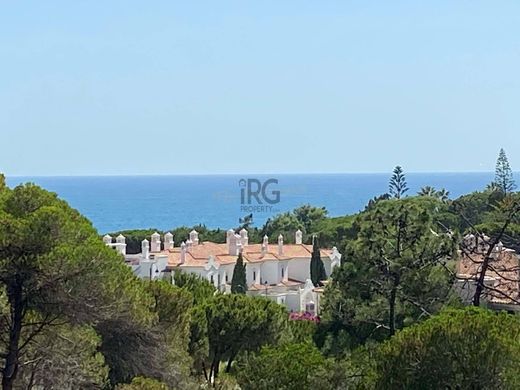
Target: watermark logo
(257, 196)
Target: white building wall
(292, 301)
(326, 264)
(299, 269)
(253, 273)
(270, 272)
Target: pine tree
(318, 273)
(238, 282)
(398, 186)
(503, 174)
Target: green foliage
(140, 383)
(334, 231)
(301, 331)
(74, 316)
(53, 266)
(290, 366)
(157, 350)
(457, 349)
(199, 342)
(394, 273)
(442, 194)
(397, 186)
(173, 307)
(285, 224)
(475, 208)
(486, 212)
(372, 202)
(238, 323)
(309, 216)
(504, 174)
(199, 288)
(306, 218)
(317, 269)
(239, 281)
(64, 357)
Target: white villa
(278, 271)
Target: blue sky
(123, 87)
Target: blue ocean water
(131, 202)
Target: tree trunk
(216, 366)
(230, 361)
(485, 264)
(391, 301)
(12, 354)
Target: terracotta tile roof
(198, 255)
(503, 274)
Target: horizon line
(244, 174)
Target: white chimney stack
(244, 238)
(107, 239)
(121, 244)
(145, 249)
(183, 253)
(156, 242)
(265, 240)
(230, 233)
(298, 237)
(168, 241)
(264, 249)
(233, 242)
(194, 237)
(280, 245)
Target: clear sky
(173, 87)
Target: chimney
(189, 244)
(298, 237)
(145, 249)
(168, 241)
(265, 240)
(156, 242)
(121, 247)
(243, 237)
(233, 241)
(229, 234)
(264, 250)
(107, 239)
(194, 237)
(183, 253)
(280, 245)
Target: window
(309, 307)
(282, 272)
(226, 278)
(211, 279)
(254, 276)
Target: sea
(116, 203)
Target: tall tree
(288, 366)
(504, 174)
(318, 273)
(457, 349)
(55, 269)
(238, 323)
(239, 282)
(506, 214)
(309, 216)
(395, 273)
(63, 357)
(397, 186)
(430, 191)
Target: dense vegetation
(75, 317)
